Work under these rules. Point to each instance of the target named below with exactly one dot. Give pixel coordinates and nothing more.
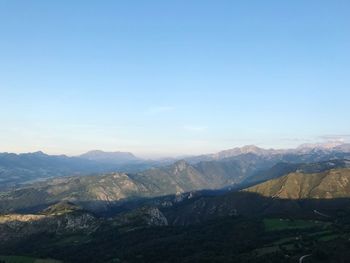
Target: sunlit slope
(326, 185)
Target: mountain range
(18, 169)
(243, 205)
(296, 206)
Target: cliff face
(16, 227)
(65, 219)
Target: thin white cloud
(293, 139)
(342, 138)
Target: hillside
(100, 192)
(66, 219)
(183, 228)
(284, 168)
(230, 166)
(19, 169)
(330, 184)
(63, 218)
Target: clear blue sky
(172, 77)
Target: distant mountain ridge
(245, 150)
(284, 168)
(304, 148)
(320, 148)
(239, 163)
(16, 169)
(110, 157)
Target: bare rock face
(141, 217)
(15, 227)
(180, 166)
(65, 218)
(156, 217)
(73, 223)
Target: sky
(167, 78)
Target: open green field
(23, 259)
(277, 224)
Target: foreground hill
(240, 226)
(330, 184)
(295, 194)
(279, 220)
(65, 219)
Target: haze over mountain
(101, 191)
(107, 190)
(170, 131)
(162, 207)
(16, 169)
(238, 163)
(169, 221)
(327, 147)
(110, 157)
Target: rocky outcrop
(66, 218)
(141, 217)
(16, 227)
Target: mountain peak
(250, 148)
(241, 150)
(100, 153)
(109, 157)
(181, 165)
(37, 153)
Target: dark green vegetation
(21, 259)
(226, 239)
(277, 224)
(232, 227)
(163, 214)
